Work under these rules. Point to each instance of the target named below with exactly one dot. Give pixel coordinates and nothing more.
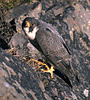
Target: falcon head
(30, 26)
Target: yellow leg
(49, 70)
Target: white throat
(32, 34)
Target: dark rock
(18, 81)
(19, 10)
(3, 44)
(23, 47)
(73, 23)
(6, 31)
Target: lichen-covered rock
(18, 81)
(73, 23)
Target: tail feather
(63, 76)
(70, 67)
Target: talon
(49, 70)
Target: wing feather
(54, 48)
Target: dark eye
(31, 24)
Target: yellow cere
(28, 24)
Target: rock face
(24, 47)
(20, 81)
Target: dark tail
(70, 67)
(63, 76)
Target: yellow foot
(49, 70)
(39, 63)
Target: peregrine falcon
(48, 41)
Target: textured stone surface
(24, 47)
(17, 11)
(73, 23)
(18, 81)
